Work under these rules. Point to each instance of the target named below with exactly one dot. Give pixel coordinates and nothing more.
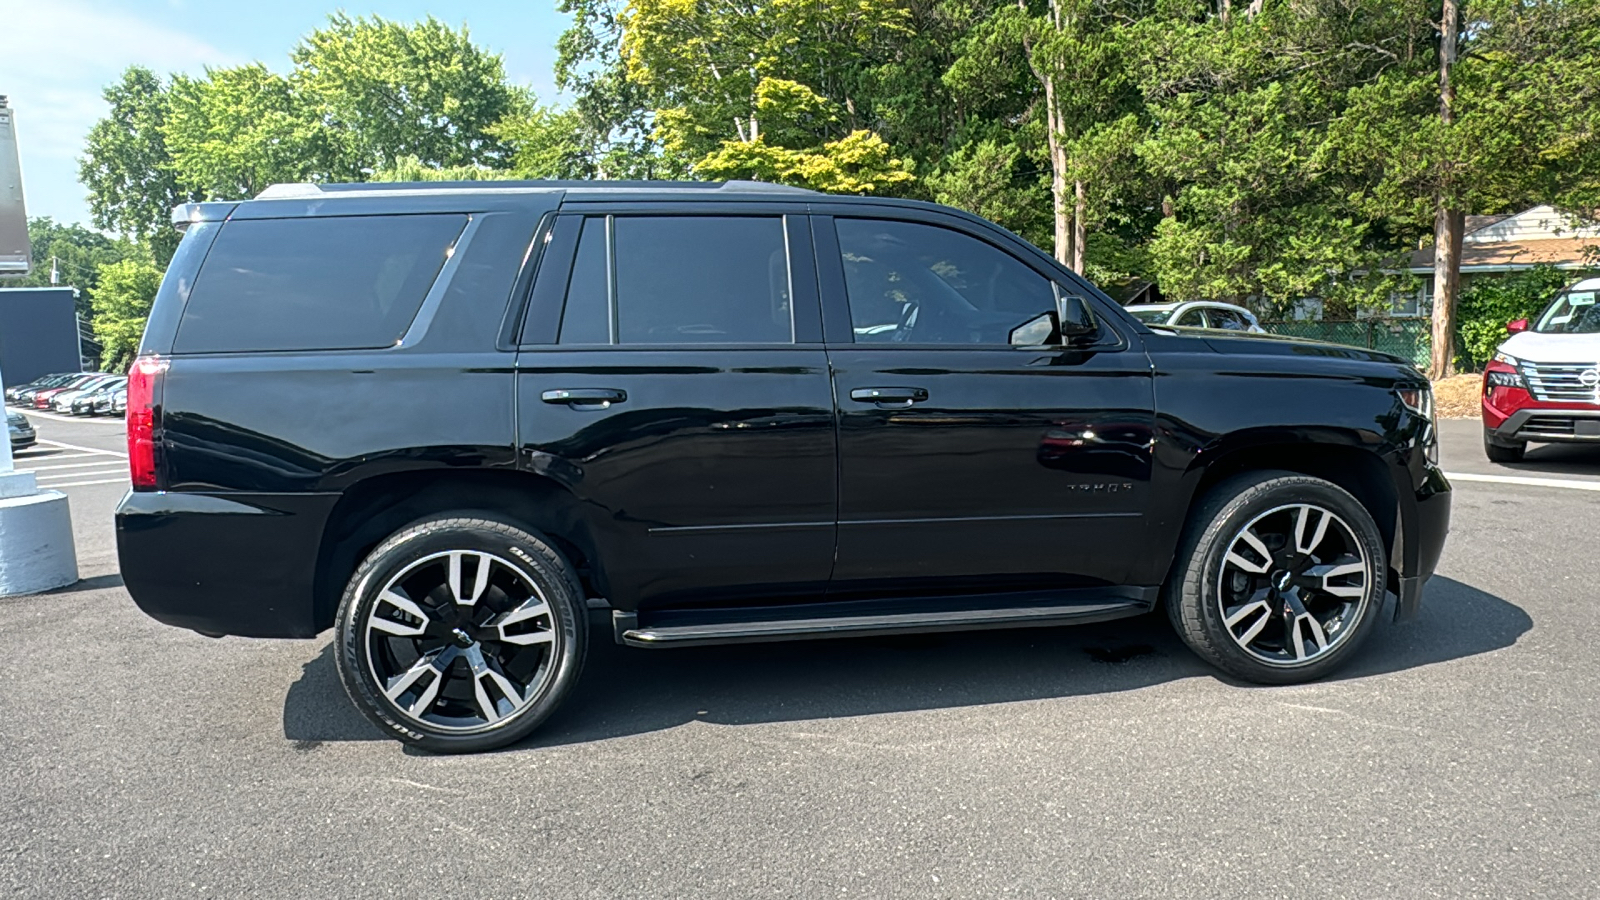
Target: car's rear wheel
(1502, 451)
(1279, 578)
(461, 633)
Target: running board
(690, 628)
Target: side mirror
(1077, 320)
(1517, 325)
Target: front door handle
(585, 398)
(889, 397)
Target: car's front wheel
(461, 633)
(1279, 577)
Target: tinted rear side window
(315, 283)
(702, 279)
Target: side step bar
(685, 628)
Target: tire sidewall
(1217, 541)
(536, 557)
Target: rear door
(969, 463)
(672, 376)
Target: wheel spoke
(480, 581)
(436, 663)
(484, 669)
(1324, 573)
(533, 608)
(1255, 544)
(1301, 544)
(394, 598)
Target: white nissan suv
(1544, 382)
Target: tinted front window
(315, 283)
(924, 284)
(701, 279)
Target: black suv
(450, 421)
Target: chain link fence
(1406, 338)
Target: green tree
(75, 254)
(389, 90)
(133, 184)
(766, 90)
(237, 131)
(122, 302)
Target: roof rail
(306, 190)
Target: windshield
(1572, 312)
(1151, 316)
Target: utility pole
(36, 549)
(1448, 222)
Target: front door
(975, 456)
(683, 398)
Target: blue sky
(57, 55)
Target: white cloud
(55, 59)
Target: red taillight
(143, 380)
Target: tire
(1502, 451)
(450, 660)
(1253, 624)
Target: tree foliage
(121, 303)
(1259, 151)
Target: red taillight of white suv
(144, 380)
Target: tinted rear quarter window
(338, 282)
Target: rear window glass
(315, 283)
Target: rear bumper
(240, 564)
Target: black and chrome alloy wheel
(459, 640)
(1278, 578)
(461, 634)
(1293, 582)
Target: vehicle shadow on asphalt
(1558, 459)
(626, 691)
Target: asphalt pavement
(1456, 758)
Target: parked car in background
(41, 398)
(112, 404)
(1543, 384)
(1197, 314)
(460, 418)
(20, 430)
(22, 394)
(84, 403)
(61, 401)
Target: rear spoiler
(189, 213)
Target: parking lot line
(50, 455)
(93, 473)
(90, 465)
(68, 484)
(1568, 483)
(99, 420)
(67, 446)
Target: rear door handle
(600, 398)
(889, 397)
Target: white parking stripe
(49, 456)
(1568, 483)
(101, 464)
(58, 417)
(67, 446)
(92, 473)
(86, 483)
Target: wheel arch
(1346, 462)
(374, 508)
